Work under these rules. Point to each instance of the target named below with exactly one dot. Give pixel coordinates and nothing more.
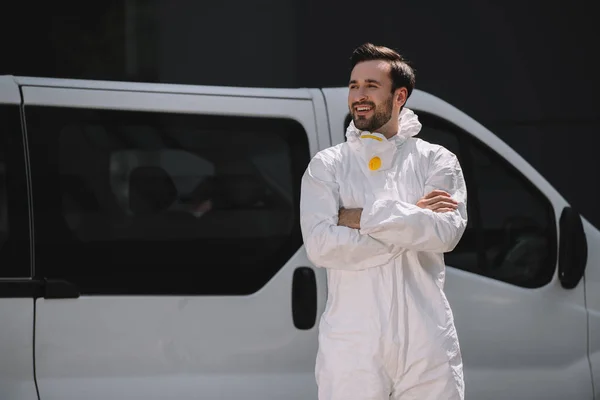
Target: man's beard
(381, 116)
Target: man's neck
(390, 135)
(390, 129)
(389, 132)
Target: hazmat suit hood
(374, 148)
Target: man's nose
(360, 95)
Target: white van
(150, 248)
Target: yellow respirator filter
(374, 163)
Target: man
(378, 212)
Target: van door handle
(304, 298)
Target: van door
(523, 334)
(17, 290)
(170, 216)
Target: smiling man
(378, 212)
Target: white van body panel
(9, 91)
(16, 349)
(517, 343)
(299, 94)
(177, 347)
(592, 280)
(164, 102)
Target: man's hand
(438, 201)
(350, 217)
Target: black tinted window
(511, 233)
(14, 210)
(143, 203)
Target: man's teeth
(363, 108)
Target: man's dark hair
(402, 73)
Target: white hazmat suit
(387, 331)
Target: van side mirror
(572, 250)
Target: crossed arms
(371, 236)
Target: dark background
(525, 69)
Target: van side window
(15, 261)
(511, 234)
(4, 115)
(152, 203)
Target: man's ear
(400, 96)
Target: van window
(15, 259)
(156, 203)
(511, 233)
